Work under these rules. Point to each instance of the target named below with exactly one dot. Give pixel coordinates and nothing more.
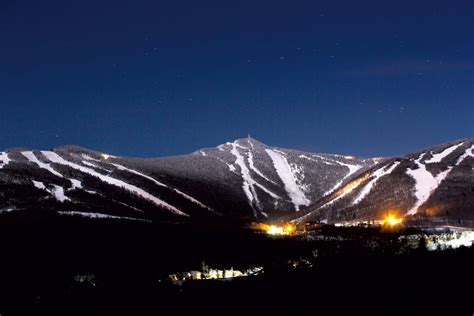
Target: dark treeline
(42, 256)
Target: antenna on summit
(248, 136)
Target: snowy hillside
(436, 182)
(244, 179)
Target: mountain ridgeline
(244, 179)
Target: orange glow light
(277, 230)
(392, 220)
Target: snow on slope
(76, 184)
(55, 158)
(186, 196)
(99, 215)
(379, 173)
(89, 164)
(444, 153)
(249, 184)
(352, 169)
(468, 153)
(288, 176)
(425, 183)
(39, 185)
(252, 166)
(4, 160)
(31, 157)
(324, 160)
(57, 192)
(123, 168)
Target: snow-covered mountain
(242, 179)
(436, 182)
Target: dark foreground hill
(74, 266)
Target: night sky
(158, 78)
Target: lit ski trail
(249, 185)
(252, 166)
(55, 158)
(379, 173)
(186, 196)
(425, 183)
(346, 189)
(443, 154)
(248, 182)
(75, 184)
(123, 168)
(32, 158)
(289, 179)
(100, 216)
(352, 169)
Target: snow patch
(76, 184)
(39, 185)
(90, 164)
(58, 193)
(306, 157)
(87, 157)
(4, 160)
(288, 176)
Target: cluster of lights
(277, 230)
(392, 220)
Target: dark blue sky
(156, 78)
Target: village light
(392, 220)
(278, 230)
(275, 230)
